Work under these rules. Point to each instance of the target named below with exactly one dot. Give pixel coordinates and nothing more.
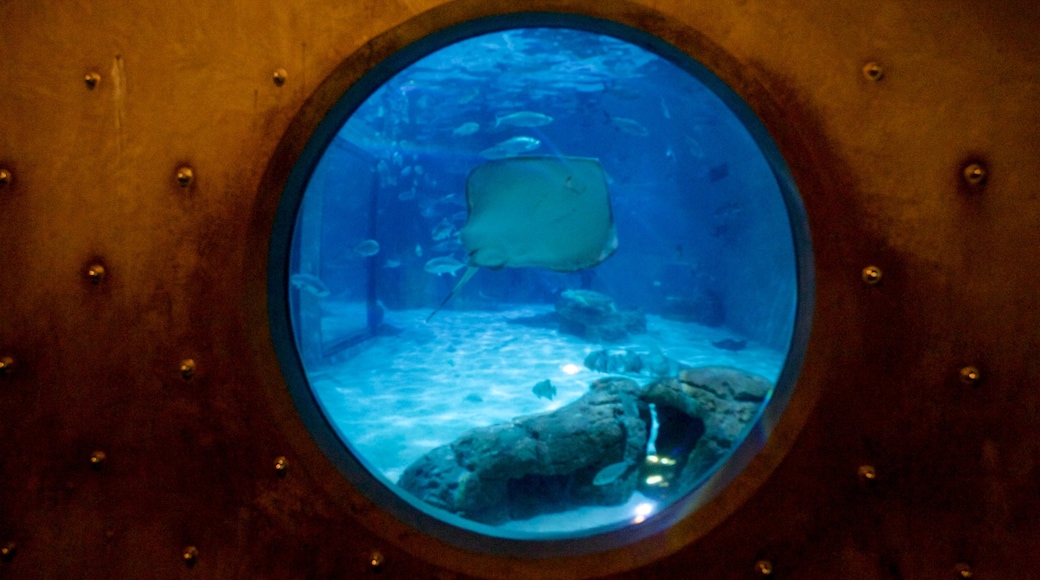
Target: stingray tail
(462, 282)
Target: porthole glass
(543, 283)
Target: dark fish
(544, 390)
(730, 344)
(717, 172)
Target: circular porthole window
(541, 284)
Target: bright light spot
(651, 459)
(571, 369)
(644, 509)
(667, 461)
(638, 519)
(654, 480)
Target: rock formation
(701, 416)
(594, 317)
(539, 463)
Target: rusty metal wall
(142, 413)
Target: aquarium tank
(544, 281)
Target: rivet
(190, 555)
(970, 375)
(974, 173)
(375, 562)
(873, 71)
(764, 567)
(963, 569)
(8, 550)
(281, 466)
(871, 275)
(97, 459)
(6, 365)
(187, 369)
(96, 273)
(280, 76)
(185, 176)
(867, 474)
(91, 79)
(5, 177)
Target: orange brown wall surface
(93, 357)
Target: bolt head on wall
(871, 275)
(970, 375)
(974, 174)
(872, 71)
(187, 369)
(8, 551)
(281, 466)
(185, 176)
(6, 365)
(96, 273)
(376, 562)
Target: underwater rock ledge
(540, 463)
(594, 450)
(701, 416)
(593, 316)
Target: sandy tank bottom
(401, 396)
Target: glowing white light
(667, 461)
(571, 369)
(638, 519)
(651, 458)
(654, 479)
(644, 509)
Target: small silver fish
(469, 96)
(630, 126)
(610, 473)
(392, 264)
(443, 230)
(309, 283)
(444, 265)
(511, 147)
(523, 119)
(466, 129)
(367, 248)
(406, 195)
(418, 250)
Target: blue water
(704, 245)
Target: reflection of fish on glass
(310, 284)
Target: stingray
(536, 212)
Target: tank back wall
(147, 430)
